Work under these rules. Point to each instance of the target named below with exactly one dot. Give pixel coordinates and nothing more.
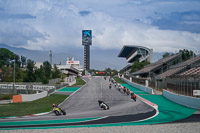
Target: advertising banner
(196, 92)
(86, 37)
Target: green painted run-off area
(69, 89)
(168, 111)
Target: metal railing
(183, 85)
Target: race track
(83, 107)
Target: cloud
(184, 21)
(16, 34)
(57, 25)
(16, 16)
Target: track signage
(196, 92)
(86, 37)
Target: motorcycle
(128, 92)
(59, 111)
(110, 86)
(124, 89)
(103, 105)
(133, 96)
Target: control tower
(86, 42)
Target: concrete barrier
(32, 97)
(138, 86)
(187, 101)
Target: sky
(163, 25)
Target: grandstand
(180, 67)
(191, 72)
(168, 73)
(158, 67)
(135, 53)
(186, 81)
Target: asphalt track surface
(84, 104)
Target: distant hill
(100, 59)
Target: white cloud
(58, 25)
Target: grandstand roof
(156, 65)
(133, 53)
(178, 68)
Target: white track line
(74, 92)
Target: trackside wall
(140, 87)
(187, 101)
(32, 97)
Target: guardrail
(138, 86)
(187, 101)
(32, 97)
(29, 97)
(10, 87)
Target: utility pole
(14, 76)
(50, 55)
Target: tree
(5, 57)
(138, 65)
(111, 71)
(7, 75)
(83, 73)
(108, 70)
(56, 72)
(167, 54)
(20, 74)
(186, 54)
(47, 69)
(23, 61)
(30, 71)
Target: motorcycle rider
(110, 86)
(54, 106)
(103, 105)
(57, 109)
(124, 89)
(133, 96)
(127, 91)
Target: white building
(75, 64)
(68, 70)
(38, 64)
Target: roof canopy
(133, 53)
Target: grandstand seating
(191, 72)
(157, 64)
(179, 68)
(170, 72)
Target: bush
(5, 96)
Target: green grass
(6, 96)
(79, 82)
(119, 80)
(34, 107)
